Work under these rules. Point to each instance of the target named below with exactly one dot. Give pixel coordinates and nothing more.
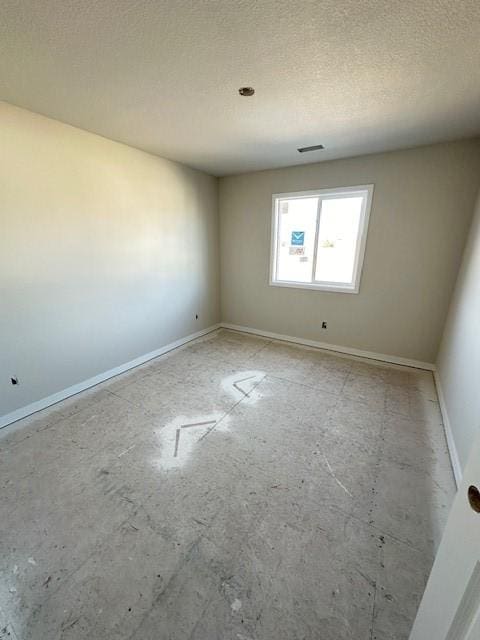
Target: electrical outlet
(196, 316)
(14, 380)
(324, 325)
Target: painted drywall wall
(106, 253)
(458, 365)
(421, 212)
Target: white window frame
(323, 194)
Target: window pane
(297, 221)
(337, 239)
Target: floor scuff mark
(7, 633)
(127, 450)
(332, 473)
(236, 605)
(373, 611)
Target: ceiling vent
(316, 147)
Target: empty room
(239, 320)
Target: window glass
(337, 239)
(297, 225)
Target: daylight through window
(318, 238)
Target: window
(318, 238)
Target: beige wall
(106, 253)
(459, 356)
(422, 207)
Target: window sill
(315, 287)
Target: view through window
(319, 238)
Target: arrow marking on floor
(188, 426)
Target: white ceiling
(358, 76)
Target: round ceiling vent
(246, 91)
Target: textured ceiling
(355, 75)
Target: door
(450, 608)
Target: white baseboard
(23, 412)
(452, 449)
(406, 362)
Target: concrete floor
(235, 489)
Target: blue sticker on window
(298, 238)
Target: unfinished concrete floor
(235, 489)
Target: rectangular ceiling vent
(316, 147)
